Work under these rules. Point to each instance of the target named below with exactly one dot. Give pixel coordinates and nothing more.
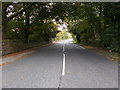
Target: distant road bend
(61, 65)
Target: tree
(7, 19)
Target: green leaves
(91, 22)
(111, 40)
(99, 25)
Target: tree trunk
(105, 15)
(100, 14)
(27, 25)
(78, 38)
(4, 17)
(4, 30)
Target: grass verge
(113, 56)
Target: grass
(113, 56)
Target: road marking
(82, 47)
(63, 68)
(63, 48)
(17, 58)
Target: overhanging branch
(23, 10)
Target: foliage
(63, 35)
(111, 38)
(99, 25)
(94, 23)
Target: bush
(110, 38)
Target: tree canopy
(94, 23)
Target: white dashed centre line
(63, 68)
(63, 48)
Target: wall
(12, 46)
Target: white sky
(61, 27)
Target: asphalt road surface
(61, 65)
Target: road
(61, 65)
